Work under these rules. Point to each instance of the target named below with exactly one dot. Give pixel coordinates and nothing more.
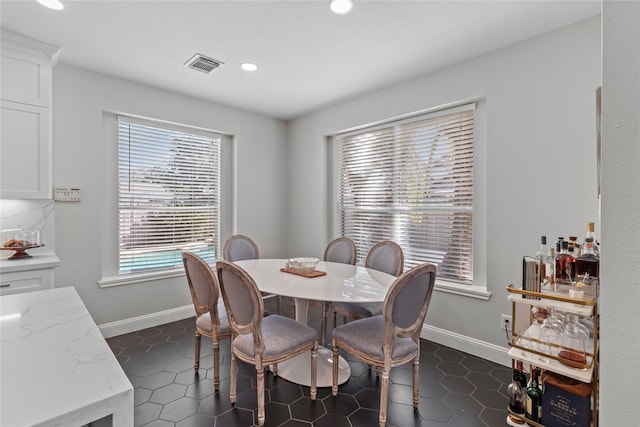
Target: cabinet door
(26, 281)
(25, 78)
(25, 152)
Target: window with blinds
(168, 195)
(411, 181)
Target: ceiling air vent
(202, 63)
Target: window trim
(478, 289)
(109, 235)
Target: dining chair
(385, 256)
(238, 248)
(392, 338)
(257, 340)
(342, 250)
(211, 316)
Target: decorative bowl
(303, 264)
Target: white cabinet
(25, 116)
(27, 275)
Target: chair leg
(233, 379)
(216, 364)
(416, 381)
(334, 385)
(314, 371)
(384, 388)
(279, 305)
(260, 386)
(196, 361)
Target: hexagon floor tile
(456, 389)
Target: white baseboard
(133, 324)
(485, 350)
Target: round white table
(342, 283)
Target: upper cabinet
(25, 117)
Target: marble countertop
(36, 262)
(56, 367)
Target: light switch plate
(66, 194)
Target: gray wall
(83, 156)
(620, 294)
(535, 163)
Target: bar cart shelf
(529, 348)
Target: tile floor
(456, 389)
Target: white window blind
(412, 182)
(168, 195)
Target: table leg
(297, 370)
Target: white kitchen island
(56, 369)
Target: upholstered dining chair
(238, 248)
(257, 340)
(211, 316)
(385, 256)
(392, 338)
(342, 250)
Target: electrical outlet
(505, 321)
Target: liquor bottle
(541, 255)
(550, 269)
(522, 376)
(516, 394)
(533, 409)
(588, 268)
(574, 247)
(591, 233)
(565, 264)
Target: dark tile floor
(456, 389)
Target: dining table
(341, 283)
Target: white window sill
(470, 291)
(129, 279)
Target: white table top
(56, 367)
(342, 283)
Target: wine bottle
(516, 394)
(533, 409)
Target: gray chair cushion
(280, 335)
(367, 335)
(204, 321)
(364, 309)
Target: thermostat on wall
(66, 194)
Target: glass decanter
(574, 341)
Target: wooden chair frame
(202, 307)
(392, 330)
(254, 327)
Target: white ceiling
(308, 57)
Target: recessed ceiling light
(52, 4)
(341, 7)
(249, 66)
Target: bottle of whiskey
(588, 268)
(533, 409)
(565, 264)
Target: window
(168, 195)
(411, 181)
